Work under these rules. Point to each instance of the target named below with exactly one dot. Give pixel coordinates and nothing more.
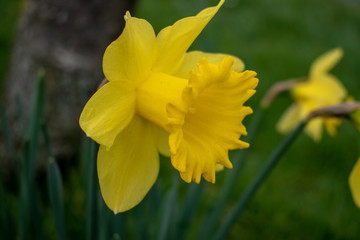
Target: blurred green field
(307, 195)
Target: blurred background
(307, 195)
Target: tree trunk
(67, 39)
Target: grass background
(307, 195)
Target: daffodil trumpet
(160, 98)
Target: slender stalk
(105, 220)
(154, 201)
(257, 181)
(119, 224)
(23, 212)
(92, 194)
(7, 135)
(212, 219)
(168, 216)
(20, 115)
(141, 218)
(6, 229)
(56, 200)
(191, 203)
(29, 208)
(55, 189)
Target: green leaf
(168, 218)
(56, 198)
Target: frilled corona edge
(207, 123)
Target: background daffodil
(156, 88)
(354, 182)
(320, 90)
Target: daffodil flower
(160, 98)
(320, 90)
(354, 182)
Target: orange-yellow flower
(159, 99)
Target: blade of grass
(56, 199)
(23, 219)
(19, 112)
(257, 181)
(55, 188)
(192, 200)
(153, 203)
(168, 217)
(7, 135)
(92, 194)
(119, 221)
(212, 219)
(105, 220)
(141, 231)
(36, 116)
(29, 209)
(6, 230)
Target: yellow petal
(108, 112)
(131, 55)
(174, 41)
(355, 117)
(325, 62)
(192, 58)
(314, 129)
(208, 122)
(219, 167)
(327, 90)
(354, 182)
(331, 125)
(289, 119)
(130, 167)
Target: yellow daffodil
(354, 182)
(187, 105)
(320, 90)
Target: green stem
(256, 183)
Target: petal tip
(127, 15)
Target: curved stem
(257, 181)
